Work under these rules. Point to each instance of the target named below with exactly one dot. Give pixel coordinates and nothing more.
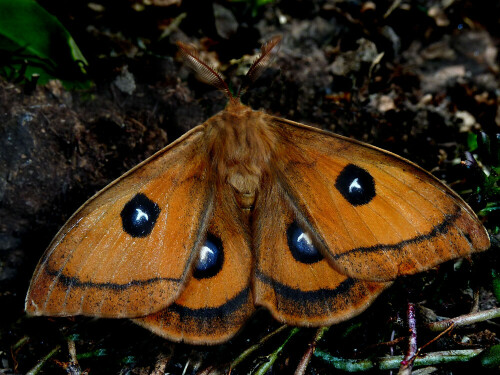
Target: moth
(248, 210)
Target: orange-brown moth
(247, 210)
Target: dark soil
(415, 80)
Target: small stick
(464, 320)
(271, 358)
(253, 348)
(35, 370)
(407, 362)
(388, 363)
(447, 330)
(301, 368)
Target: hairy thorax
(241, 147)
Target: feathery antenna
(204, 71)
(260, 64)
(209, 74)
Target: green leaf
(93, 354)
(495, 280)
(472, 141)
(33, 41)
(491, 357)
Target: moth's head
(210, 75)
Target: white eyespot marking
(210, 258)
(141, 215)
(206, 254)
(301, 246)
(305, 237)
(355, 186)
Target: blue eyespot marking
(210, 259)
(301, 245)
(139, 216)
(356, 185)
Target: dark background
(436, 83)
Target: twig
(464, 320)
(393, 362)
(274, 355)
(394, 5)
(407, 362)
(20, 343)
(447, 330)
(390, 344)
(41, 362)
(253, 348)
(72, 367)
(15, 349)
(301, 368)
